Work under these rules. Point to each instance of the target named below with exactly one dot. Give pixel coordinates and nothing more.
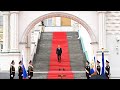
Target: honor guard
(30, 70)
(107, 69)
(87, 69)
(98, 68)
(12, 70)
(20, 70)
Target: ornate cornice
(14, 12)
(5, 12)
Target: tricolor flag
(23, 67)
(93, 67)
(93, 64)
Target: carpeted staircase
(41, 59)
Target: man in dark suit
(43, 26)
(12, 70)
(59, 52)
(107, 69)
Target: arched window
(1, 46)
(65, 21)
(1, 20)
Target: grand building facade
(20, 30)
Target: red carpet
(54, 73)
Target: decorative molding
(105, 51)
(94, 43)
(27, 46)
(109, 33)
(36, 30)
(22, 43)
(32, 42)
(113, 23)
(109, 28)
(102, 11)
(114, 32)
(9, 52)
(5, 12)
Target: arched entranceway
(24, 38)
(59, 14)
(50, 15)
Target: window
(1, 36)
(49, 21)
(65, 21)
(1, 20)
(1, 46)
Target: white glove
(11, 75)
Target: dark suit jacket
(59, 51)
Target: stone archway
(59, 14)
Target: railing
(83, 47)
(35, 46)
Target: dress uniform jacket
(87, 68)
(30, 71)
(12, 71)
(20, 72)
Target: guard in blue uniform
(107, 69)
(87, 69)
(12, 70)
(98, 68)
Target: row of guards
(22, 72)
(95, 69)
(98, 70)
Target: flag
(93, 65)
(92, 68)
(23, 67)
(103, 64)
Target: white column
(5, 31)
(102, 29)
(14, 30)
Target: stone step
(41, 59)
(39, 76)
